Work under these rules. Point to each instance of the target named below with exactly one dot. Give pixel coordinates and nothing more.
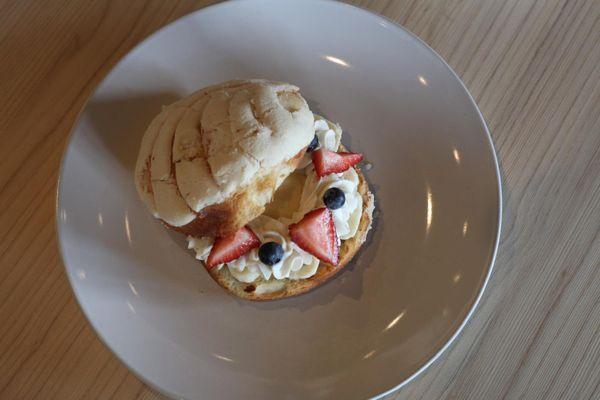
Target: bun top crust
(208, 147)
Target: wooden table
(533, 68)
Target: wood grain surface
(533, 67)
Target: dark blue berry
(314, 144)
(270, 253)
(334, 198)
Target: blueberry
(314, 144)
(270, 253)
(334, 198)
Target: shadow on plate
(123, 121)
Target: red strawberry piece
(328, 162)
(229, 248)
(352, 158)
(315, 233)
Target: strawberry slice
(328, 162)
(315, 233)
(231, 247)
(352, 158)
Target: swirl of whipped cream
(328, 138)
(295, 263)
(346, 218)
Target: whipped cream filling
(328, 137)
(346, 218)
(296, 263)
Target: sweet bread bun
(261, 290)
(210, 162)
(216, 160)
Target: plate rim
(228, 3)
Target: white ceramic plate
(385, 317)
